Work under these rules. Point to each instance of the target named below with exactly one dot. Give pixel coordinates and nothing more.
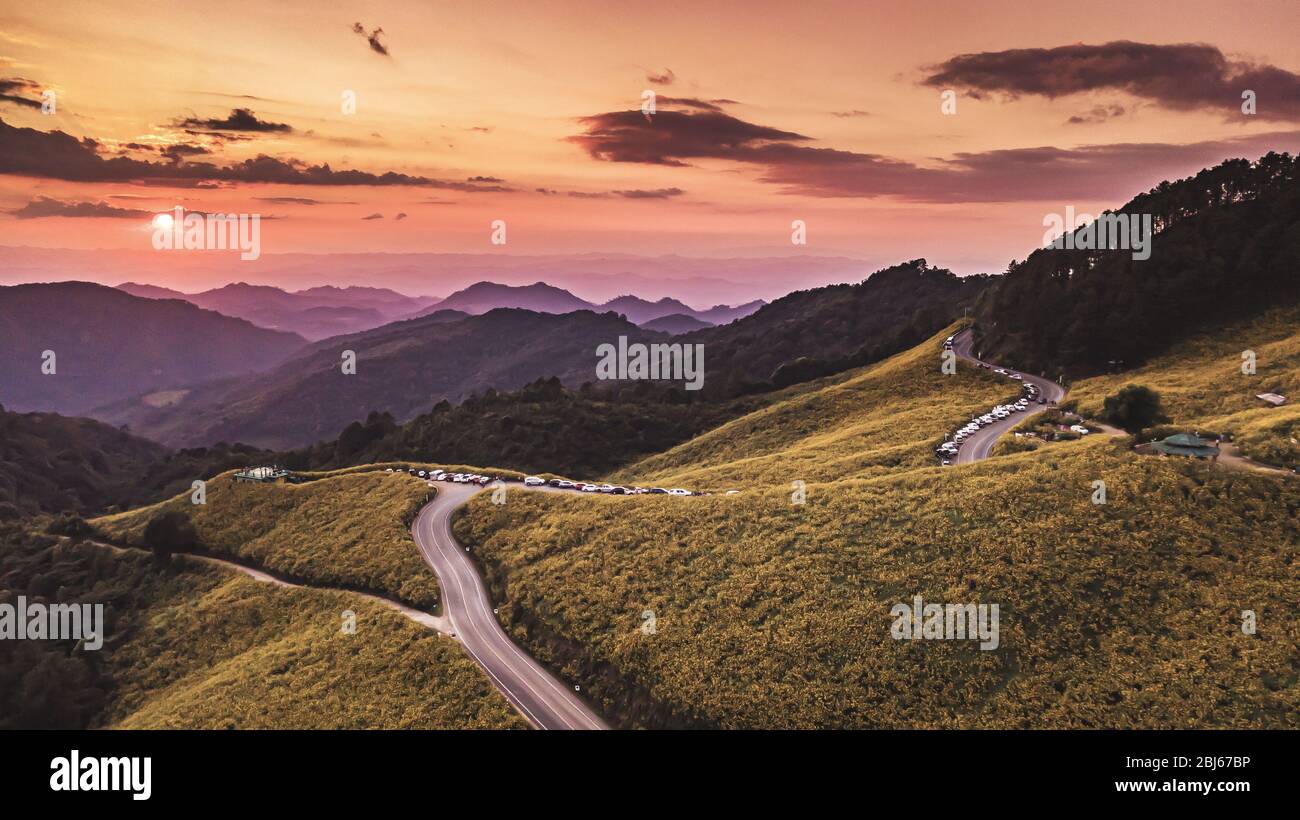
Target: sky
(830, 113)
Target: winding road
(978, 446)
(544, 701)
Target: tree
(1134, 408)
(169, 532)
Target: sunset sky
(767, 112)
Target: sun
(163, 222)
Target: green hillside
(196, 646)
(348, 530)
(772, 614)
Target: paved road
(545, 701)
(977, 447)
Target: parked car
(679, 491)
(590, 488)
(658, 491)
(533, 481)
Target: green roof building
(1186, 444)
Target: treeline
(52, 463)
(1226, 245)
(542, 427)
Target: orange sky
(501, 90)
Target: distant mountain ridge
(69, 347)
(482, 297)
(315, 313)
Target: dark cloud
(400, 217)
(636, 193)
(241, 120)
(854, 113)
(372, 216)
(672, 137)
(1182, 77)
(11, 88)
(43, 206)
(181, 150)
(57, 155)
(485, 179)
(372, 38)
(665, 78)
(1098, 113)
(1091, 172)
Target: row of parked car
(536, 481)
(612, 489)
(950, 448)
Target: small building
(262, 474)
(1186, 444)
(1272, 398)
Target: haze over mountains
(315, 313)
(543, 298)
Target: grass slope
(771, 614)
(345, 530)
(1202, 386)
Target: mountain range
(543, 298)
(314, 313)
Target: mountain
(107, 345)
(315, 313)
(402, 368)
(51, 463)
(1226, 245)
(817, 332)
(722, 314)
(639, 311)
(482, 297)
(674, 324)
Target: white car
(590, 488)
(679, 491)
(1017, 377)
(1080, 429)
(533, 481)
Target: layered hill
(314, 313)
(69, 347)
(402, 368)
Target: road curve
(978, 446)
(544, 701)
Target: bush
(1134, 408)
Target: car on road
(533, 481)
(658, 491)
(1080, 429)
(1017, 377)
(590, 488)
(679, 491)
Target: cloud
(854, 113)
(1046, 173)
(400, 217)
(372, 216)
(57, 155)
(485, 179)
(241, 120)
(180, 151)
(11, 88)
(372, 38)
(43, 206)
(1179, 77)
(1098, 113)
(672, 137)
(636, 193)
(666, 78)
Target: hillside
(402, 368)
(347, 531)
(775, 614)
(813, 333)
(675, 324)
(201, 647)
(1226, 246)
(109, 345)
